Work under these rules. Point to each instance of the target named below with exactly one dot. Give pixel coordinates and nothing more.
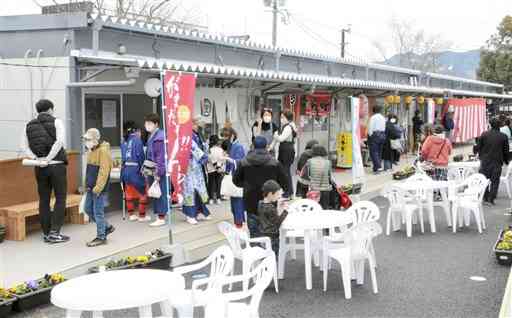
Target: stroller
(338, 199)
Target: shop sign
(178, 107)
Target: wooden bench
(14, 217)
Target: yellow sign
(183, 113)
(344, 150)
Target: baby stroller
(338, 199)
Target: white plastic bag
(81, 207)
(229, 189)
(154, 191)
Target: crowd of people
(256, 181)
(261, 172)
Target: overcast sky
(315, 25)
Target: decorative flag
(358, 174)
(178, 107)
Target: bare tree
(413, 47)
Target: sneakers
(56, 238)
(96, 242)
(133, 218)
(110, 230)
(201, 217)
(217, 201)
(147, 218)
(158, 222)
(191, 221)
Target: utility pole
(275, 11)
(343, 43)
(276, 7)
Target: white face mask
(150, 127)
(89, 144)
(267, 119)
(393, 120)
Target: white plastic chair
(405, 205)
(507, 179)
(470, 201)
(364, 212)
(460, 173)
(220, 264)
(288, 238)
(240, 243)
(425, 197)
(352, 248)
(234, 304)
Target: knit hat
(260, 142)
(319, 151)
(92, 134)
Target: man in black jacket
(253, 171)
(44, 141)
(492, 148)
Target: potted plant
(34, 293)
(6, 301)
(155, 259)
(503, 247)
(404, 173)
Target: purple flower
(32, 284)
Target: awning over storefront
(236, 72)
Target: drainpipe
(38, 58)
(129, 82)
(27, 54)
(96, 37)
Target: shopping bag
(154, 191)
(229, 189)
(81, 207)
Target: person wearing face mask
(44, 141)
(134, 183)
(97, 180)
(195, 193)
(155, 159)
(264, 126)
(236, 152)
(390, 155)
(286, 140)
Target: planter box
(163, 262)
(6, 307)
(32, 300)
(401, 176)
(503, 257)
(356, 189)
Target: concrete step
(199, 249)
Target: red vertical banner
(178, 108)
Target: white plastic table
(450, 186)
(116, 290)
(309, 223)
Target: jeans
(95, 209)
(376, 143)
(253, 225)
(388, 165)
(160, 205)
(52, 178)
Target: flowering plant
(34, 285)
(132, 260)
(5, 294)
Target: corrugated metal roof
(121, 23)
(250, 73)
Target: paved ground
(423, 276)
